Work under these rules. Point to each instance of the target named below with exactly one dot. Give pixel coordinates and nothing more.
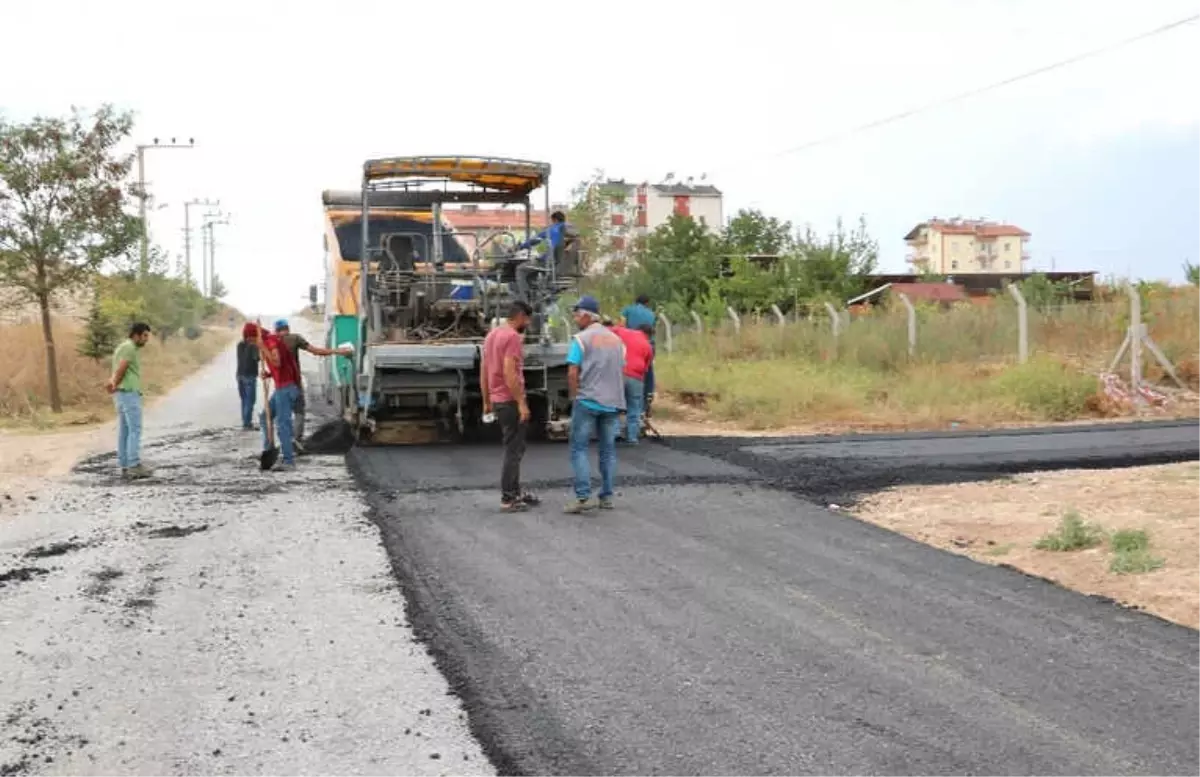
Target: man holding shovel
(283, 367)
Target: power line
(981, 90)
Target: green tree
(218, 289)
(831, 268)
(62, 208)
(1192, 273)
(751, 232)
(99, 337)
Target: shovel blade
(268, 458)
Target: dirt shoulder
(999, 523)
(31, 456)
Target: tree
(588, 215)
(99, 338)
(62, 208)
(218, 289)
(750, 232)
(1192, 273)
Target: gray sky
(1099, 160)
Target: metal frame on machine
(425, 182)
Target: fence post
(912, 323)
(778, 314)
(1135, 342)
(1022, 323)
(733, 316)
(699, 322)
(670, 344)
(834, 318)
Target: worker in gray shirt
(596, 385)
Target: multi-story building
(635, 210)
(963, 246)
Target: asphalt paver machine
(416, 298)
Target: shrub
(1072, 534)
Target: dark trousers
(513, 431)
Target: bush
(1048, 389)
(1072, 534)
(1131, 553)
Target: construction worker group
(609, 373)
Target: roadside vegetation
(69, 233)
(757, 373)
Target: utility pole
(212, 219)
(144, 253)
(187, 229)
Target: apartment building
(960, 246)
(475, 226)
(638, 209)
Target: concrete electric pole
(144, 252)
(211, 219)
(187, 231)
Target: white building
(635, 210)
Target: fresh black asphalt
(722, 621)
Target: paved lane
(717, 623)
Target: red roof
(492, 219)
(930, 292)
(978, 228)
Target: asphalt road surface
(720, 620)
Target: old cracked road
(720, 621)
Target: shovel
(268, 457)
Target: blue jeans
(635, 402)
(283, 402)
(248, 391)
(584, 421)
(129, 428)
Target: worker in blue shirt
(553, 235)
(636, 316)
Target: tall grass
(964, 367)
(24, 385)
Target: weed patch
(1073, 533)
(1131, 553)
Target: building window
(618, 243)
(618, 219)
(954, 264)
(1008, 246)
(1007, 264)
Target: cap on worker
(281, 324)
(249, 330)
(589, 303)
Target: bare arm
(317, 350)
(118, 375)
(572, 381)
(513, 381)
(483, 386)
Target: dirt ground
(1006, 518)
(29, 461)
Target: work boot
(606, 503)
(284, 466)
(137, 472)
(577, 506)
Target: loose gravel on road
(215, 619)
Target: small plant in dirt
(1131, 553)
(1073, 533)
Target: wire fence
(1086, 334)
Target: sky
(1099, 160)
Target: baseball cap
(282, 324)
(589, 303)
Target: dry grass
(964, 371)
(1132, 535)
(24, 394)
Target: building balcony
(918, 260)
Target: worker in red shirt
(281, 366)
(639, 355)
